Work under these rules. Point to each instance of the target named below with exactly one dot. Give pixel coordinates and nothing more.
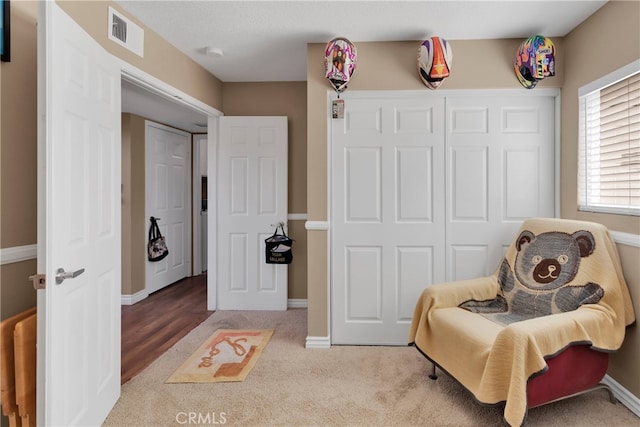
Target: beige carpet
(341, 386)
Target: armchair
(538, 329)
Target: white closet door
(168, 197)
(500, 171)
(387, 215)
(422, 193)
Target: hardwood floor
(152, 326)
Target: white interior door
(168, 197)
(387, 217)
(500, 171)
(79, 224)
(251, 198)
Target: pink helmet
(340, 58)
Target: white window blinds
(609, 167)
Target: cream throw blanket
(494, 360)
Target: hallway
(152, 326)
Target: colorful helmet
(535, 60)
(434, 61)
(340, 58)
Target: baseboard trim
(623, 395)
(296, 303)
(134, 298)
(318, 342)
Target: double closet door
(427, 188)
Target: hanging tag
(337, 109)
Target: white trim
(146, 81)
(212, 212)
(557, 154)
(297, 217)
(134, 298)
(196, 205)
(317, 225)
(331, 96)
(296, 303)
(317, 342)
(625, 238)
(392, 93)
(613, 210)
(611, 78)
(18, 254)
(623, 395)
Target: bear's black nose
(546, 271)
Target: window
(609, 154)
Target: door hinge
(39, 281)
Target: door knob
(61, 275)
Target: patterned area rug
(228, 355)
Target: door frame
(196, 194)
(144, 80)
(331, 96)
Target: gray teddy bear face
(550, 260)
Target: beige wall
(606, 41)
(582, 56)
(161, 59)
(18, 150)
(133, 204)
(17, 291)
(282, 99)
(587, 53)
(603, 43)
(18, 132)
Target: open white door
(79, 224)
(252, 196)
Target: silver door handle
(61, 275)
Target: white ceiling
(267, 40)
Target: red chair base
(576, 369)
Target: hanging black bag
(157, 246)
(278, 247)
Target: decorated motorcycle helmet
(535, 60)
(434, 61)
(340, 58)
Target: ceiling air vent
(125, 33)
